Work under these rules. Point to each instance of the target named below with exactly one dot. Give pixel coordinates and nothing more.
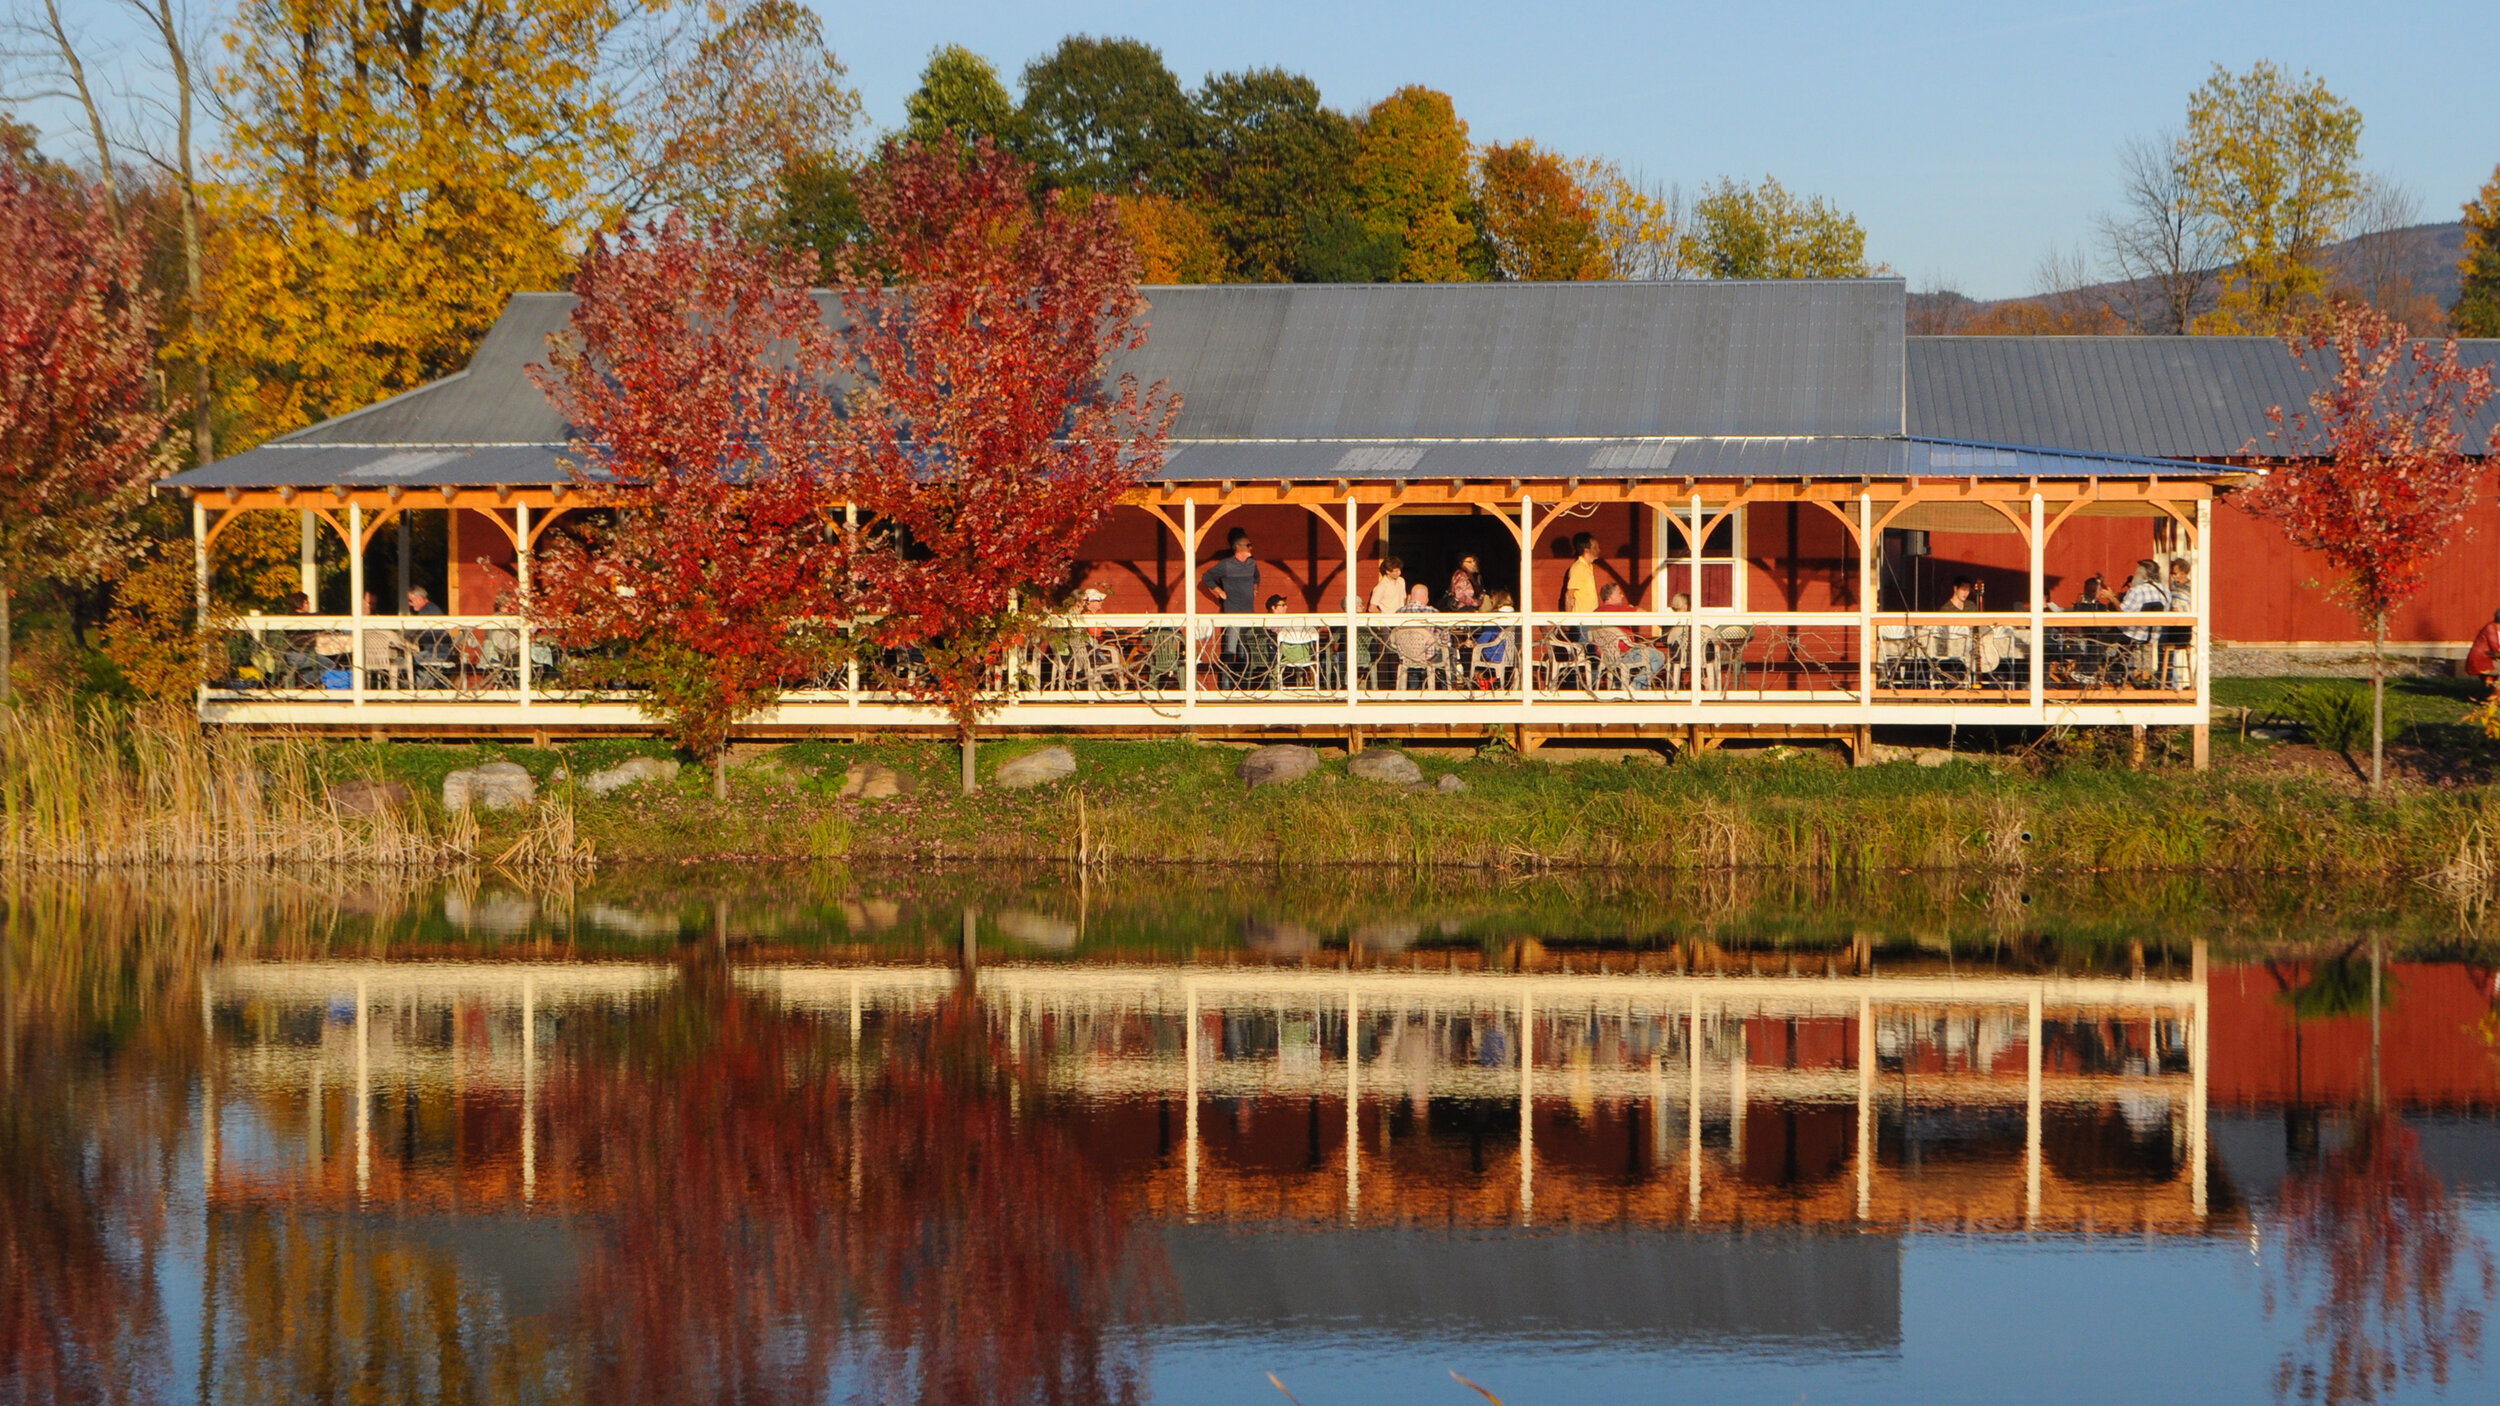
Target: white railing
(1774, 659)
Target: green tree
(2477, 310)
(960, 92)
(819, 210)
(1276, 161)
(2276, 162)
(1411, 171)
(1340, 246)
(1107, 115)
(1541, 223)
(1765, 232)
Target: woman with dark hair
(1466, 584)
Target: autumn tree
(1764, 231)
(2275, 162)
(2376, 479)
(1540, 221)
(759, 97)
(1175, 239)
(393, 172)
(2476, 312)
(697, 374)
(81, 434)
(1107, 115)
(981, 438)
(960, 92)
(1411, 182)
(1275, 161)
(1635, 221)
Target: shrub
(2334, 716)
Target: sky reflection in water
(644, 1143)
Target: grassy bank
(119, 791)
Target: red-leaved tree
(698, 378)
(984, 441)
(2381, 481)
(79, 439)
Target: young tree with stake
(982, 441)
(2382, 480)
(697, 376)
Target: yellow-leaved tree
(1636, 221)
(1411, 167)
(393, 171)
(2276, 163)
(1537, 216)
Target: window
(1722, 556)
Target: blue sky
(1971, 139)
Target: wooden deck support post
(2039, 610)
(1353, 608)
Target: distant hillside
(2414, 270)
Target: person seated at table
(1614, 644)
(2482, 656)
(2144, 593)
(1963, 597)
(2095, 595)
(1415, 646)
(1493, 641)
(1298, 642)
(1466, 585)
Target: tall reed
(105, 788)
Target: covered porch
(1795, 595)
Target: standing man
(1234, 582)
(1580, 583)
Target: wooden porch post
(307, 559)
(521, 581)
(1866, 603)
(199, 559)
(850, 669)
(1189, 605)
(2200, 561)
(1692, 620)
(1353, 602)
(2039, 610)
(356, 603)
(1526, 662)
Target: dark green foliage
(1272, 156)
(1338, 246)
(1107, 115)
(820, 210)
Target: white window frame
(1667, 550)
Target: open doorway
(1432, 542)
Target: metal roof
(1790, 379)
(1781, 457)
(1528, 360)
(2169, 397)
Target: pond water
(1180, 1137)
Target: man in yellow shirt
(1580, 586)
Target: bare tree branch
(2163, 250)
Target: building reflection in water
(716, 1179)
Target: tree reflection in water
(775, 1200)
(2401, 1281)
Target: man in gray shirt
(1234, 581)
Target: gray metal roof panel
(2173, 397)
(1372, 361)
(297, 465)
